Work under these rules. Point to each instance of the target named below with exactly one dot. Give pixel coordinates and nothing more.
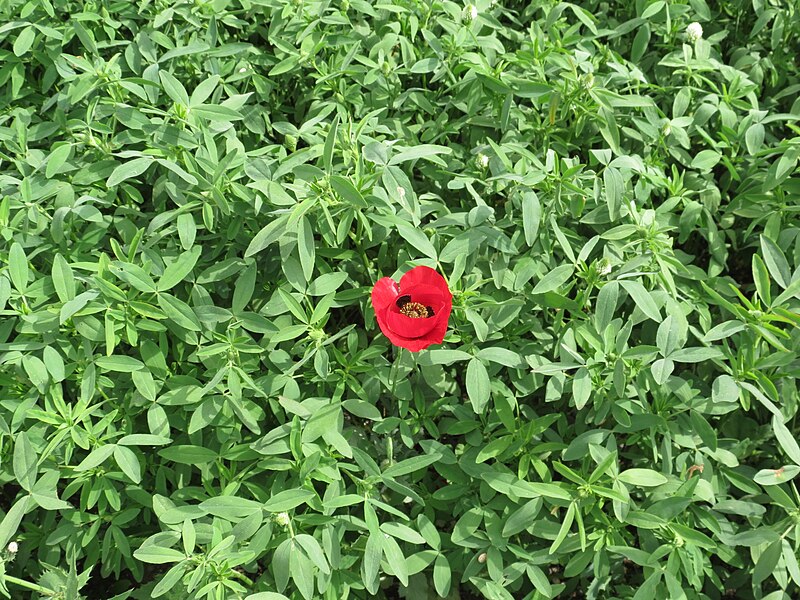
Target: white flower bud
(483, 161)
(471, 12)
(694, 31)
(482, 557)
(282, 519)
(12, 548)
(604, 267)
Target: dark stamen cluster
(415, 310)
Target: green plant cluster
(196, 197)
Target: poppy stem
(395, 368)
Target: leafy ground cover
(196, 198)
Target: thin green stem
(31, 586)
(395, 368)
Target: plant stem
(31, 586)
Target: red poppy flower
(414, 313)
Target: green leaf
(642, 477)
(642, 298)
(129, 170)
(36, 371)
(502, 356)
(705, 160)
(372, 560)
(668, 338)
(232, 508)
(74, 306)
(325, 284)
(478, 387)
(531, 217)
(416, 238)
(143, 439)
(539, 580)
(787, 441)
(425, 65)
(134, 276)
(25, 462)
(24, 41)
(216, 113)
(606, 305)
(57, 159)
(330, 144)
(563, 531)
(776, 262)
(63, 278)
(554, 279)
(754, 138)
(157, 555)
(776, 476)
(522, 518)
(442, 576)
(662, 369)
(169, 580)
(96, 458)
(12, 520)
(173, 88)
(288, 499)
(411, 465)
(119, 363)
(305, 247)
(179, 312)
(188, 454)
(347, 191)
(441, 356)
(581, 387)
(314, 551)
(767, 562)
(179, 269)
(695, 355)
(648, 589)
(127, 461)
(18, 267)
(268, 234)
(427, 151)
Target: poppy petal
(384, 293)
(424, 294)
(408, 327)
(425, 276)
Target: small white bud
(694, 31)
(471, 12)
(483, 160)
(604, 267)
(666, 129)
(12, 547)
(482, 557)
(282, 519)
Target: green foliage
(196, 198)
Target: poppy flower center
(415, 310)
